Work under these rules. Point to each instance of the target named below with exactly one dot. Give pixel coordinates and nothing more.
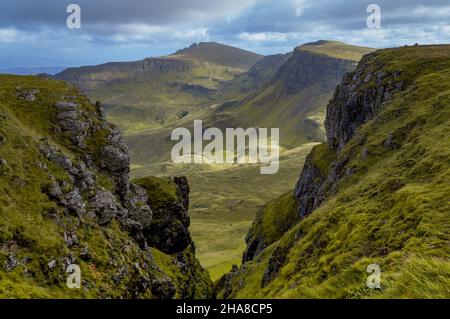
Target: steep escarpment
(299, 88)
(66, 199)
(360, 97)
(375, 193)
(252, 80)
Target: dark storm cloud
(131, 29)
(163, 12)
(106, 17)
(338, 14)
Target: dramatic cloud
(112, 12)
(33, 33)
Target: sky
(35, 33)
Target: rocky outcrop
(303, 68)
(310, 189)
(166, 227)
(255, 239)
(73, 176)
(358, 99)
(169, 229)
(362, 94)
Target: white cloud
(264, 36)
(132, 33)
(300, 6)
(8, 35)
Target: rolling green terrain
(376, 193)
(289, 91)
(156, 92)
(364, 177)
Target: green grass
(224, 201)
(32, 226)
(336, 49)
(392, 211)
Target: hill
(295, 96)
(375, 193)
(154, 92)
(288, 91)
(66, 201)
(258, 75)
(220, 54)
(335, 49)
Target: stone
(163, 288)
(11, 262)
(63, 106)
(115, 158)
(54, 192)
(104, 205)
(52, 264)
(74, 202)
(70, 239)
(183, 190)
(54, 155)
(85, 253)
(353, 104)
(389, 142)
(138, 195)
(276, 262)
(26, 95)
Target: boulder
(74, 202)
(104, 206)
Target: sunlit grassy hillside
(390, 206)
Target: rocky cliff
(304, 68)
(375, 193)
(360, 97)
(295, 90)
(66, 199)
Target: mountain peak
(219, 54)
(335, 49)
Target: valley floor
(225, 200)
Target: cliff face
(294, 96)
(360, 97)
(258, 75)
(375, 193)
(66, 198)
(305, 68)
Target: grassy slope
(219, 54)
(299, 113)
(27, 229)
(393, 210)
(238, 191)
(220, 219)
(140, 96)
(336, 49)
(245, 83)
(150, 144)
